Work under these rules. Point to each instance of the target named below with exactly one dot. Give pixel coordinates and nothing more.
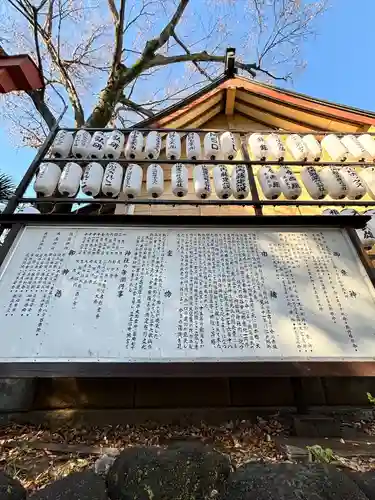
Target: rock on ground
(16, 394)
(77, 486)
(11, 489)
(366, 481)
(181, 472)
(291, 482)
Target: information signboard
(183, 294)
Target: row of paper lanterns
(336, 182)
(111, 145)
(110, 181)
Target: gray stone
(291, 482)
(103, 464)
(182, 472)
(365, 481)
(77, 486)
(16, 394)
(11, 489)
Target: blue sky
(340, 68)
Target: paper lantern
(70, 179)
(92, 179)
(371, 222)
(47, 179)
(211, 146)
(114, 145)
(258, 147)
(179, 180)
(276, 148)
(367, 141)
(222, 182)
(228, 145)
(367, 176)
(133, 181)
(62, 144)
(356, 188)
(314, 149)
(97, 145)
(240, 182)
(112, 179)
(81, 144)
(155, 180)
(134, 146)
(366, 236)
(296, 147)
(202, 184)
(269, 182)
(313, 183)
(153, 145)
(356, 151)
(193, 146)
(333, 182)
(330, 211)
(29, 210)
(173, 146)
(335, 148)
(288, 183)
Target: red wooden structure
(19, 73)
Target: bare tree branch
(135, 107)
(119, 36)
(113, 9)
(181, 43)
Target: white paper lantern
(297, 147)
(29, 210)
(269, 182)
(179, 180)
(335, 148)
(313, 183)
(97, 145)
(288, 183)
(356, 151)
(368, 143)
(240, 182)
(367, 176)
(155, 180)
(258, 147)
(202, 184)
(371, 222)
(330, 211)
(133, 181)
(153, 145)
(228, 145)
(92, 179)
(134, 146)
(112, 179)
(222, 182)
(276, 147)
(114, 145)
(47, 179)
(314, 149)
(356, 188)
(70, 179)
(366, 235)
(62, 144)
(334, 183)
(81, 144)
(173, 146)
(211, 146)
(193, 146)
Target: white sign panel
(184, 294)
